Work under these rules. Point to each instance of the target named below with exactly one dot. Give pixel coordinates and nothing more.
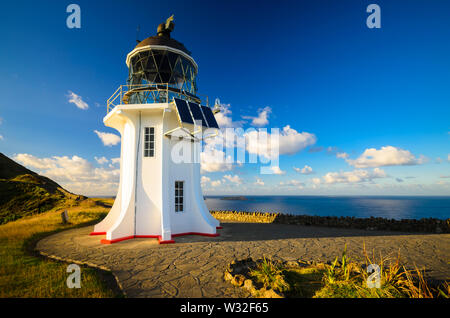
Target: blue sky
(376, 100)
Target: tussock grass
(270, 275)
(25, 274)
(345, 278)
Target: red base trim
(165, 242)
(219, 227)
(196, 233)
(105, 241)
(147, 236)
(97, 233)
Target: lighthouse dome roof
(163, 37)
(164, 41)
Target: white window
(149, 142)
(179, 196)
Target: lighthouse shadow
(273, 231)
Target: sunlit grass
(249, 217)
(24, 274)
(346, 278)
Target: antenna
(137, 34)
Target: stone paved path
(194, 266)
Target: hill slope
(24, 192)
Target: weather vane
(164, 29)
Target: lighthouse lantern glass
(155, 67)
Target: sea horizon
(360, 206)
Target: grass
(345, 278)
(270, 275)
(25, 274)
(250, 217)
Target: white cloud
(108, 139)
(1, 137)
(224, 118)
(115, 160)
(386, 156)
(77, 100)
(342, 155)
(226, 138)
(216, 183)
(262, 118)
(293, 183)
(74, 173)
(277, 170)
(354, 176)
(213, 160)
(259, 182)
(234, 179)
(205, 179)
(289, 142)
(448, 157)
(101, 160)
(305, 170)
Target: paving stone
(194, 266)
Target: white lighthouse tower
(157, 113)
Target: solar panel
(183, 111)
(212, 123)
(197, 113)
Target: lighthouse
(157, 113)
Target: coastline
(424, 225)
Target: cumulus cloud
(101, 160)
(289, 142)
(213, 160)
(74, 173)
(1, 137)
(77, 100)
(262, 118)
(234, 179)
(355, 176)
(216, 183)
(224, 117)
(205, 179)
(386, 156)
(277, 170)
(108, 139)
(305, 170)
(115, 160)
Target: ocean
(390, 207)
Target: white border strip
(159, 47)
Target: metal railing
(150, 93)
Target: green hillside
(24, 192)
